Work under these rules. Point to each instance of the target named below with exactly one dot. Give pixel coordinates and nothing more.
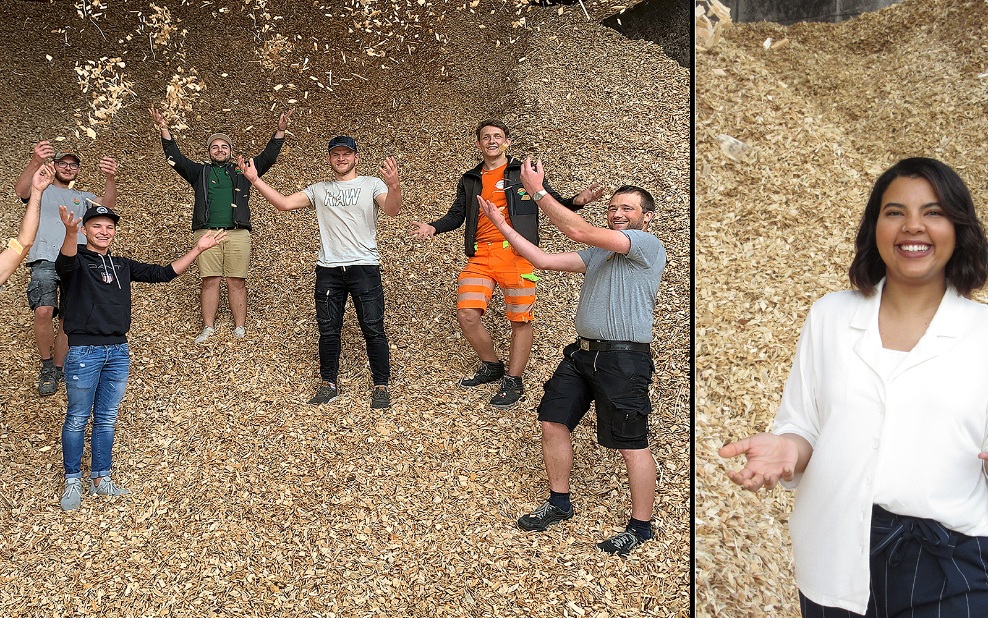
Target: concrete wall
(789, 12)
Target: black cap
(343, 140)
(100, 211)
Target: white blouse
(918, 430)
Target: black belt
(599, 345)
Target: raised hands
(246, 167)
(69, 220)
(532, 174)
(770, 458)
(284, 119)
(43, 151)
(108, 166)
(422, 230)
(158, 119)
(591, 193)
(389, 171)
(43, 177)
(210, 239)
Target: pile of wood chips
(822, 116)
(247, 501)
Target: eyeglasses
(67, 166)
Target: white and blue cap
(100, 211)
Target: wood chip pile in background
(822, 116)
(247, 501)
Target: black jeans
(363, 284)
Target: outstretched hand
(492, 212)
(590, 194)
(770, 458)
(422, 230)
(43, 150)
(108, 166)
(69, 220)
(158, 119)
(246, 167)
(210, 239)
(389, 171)
(532, 175)
(284, 119)
(43, 177)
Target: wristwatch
(538, 195)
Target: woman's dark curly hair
(967, 269)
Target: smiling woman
(882, 373)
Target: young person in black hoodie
(97, 318)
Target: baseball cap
(61, 155)
(222, 136)
(343, 140)
(100, 211)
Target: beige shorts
(230, 258)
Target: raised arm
(568, 262)
(159, 121)
(42, 151)
(206, 241)
(69, 246)
(770, 458)
(17, 248)
(279, 201)
(109, 168)
(391, 203)
(569, 223)
(283, 121)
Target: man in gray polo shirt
(610, 363)
(43, 287)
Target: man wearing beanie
(43, 287)
(349, 265)
(97, 317)
(221, 195)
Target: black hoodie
(96, 292)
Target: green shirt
(220, 194)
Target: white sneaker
(204, 335)
(240, 332)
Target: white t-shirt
(347, 215)
(907, 440)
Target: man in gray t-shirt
(42, 289)
(349, 265)
(610, 364)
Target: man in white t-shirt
(348, 264)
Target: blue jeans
(95, 379)
(363, 284)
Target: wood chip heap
(820, 117)
(247, 501)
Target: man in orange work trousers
(492, 261)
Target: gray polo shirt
(617, 300)
(51, 232)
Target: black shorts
(616, 381)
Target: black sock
(560, 500)
(47, 363)
(641, 529)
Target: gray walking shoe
(47, 381)
(106, 488)
(325, 393)
(206, 333)
(72, 496)
(381, 397)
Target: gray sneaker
(72, 496)
(240, 332)
(325, 393)
(106, 488)
(207, 331)
(47, 381)
(381, 397)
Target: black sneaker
(620, 544)
(326, 393)
(380, 397)
(511, 391)
(488, 372)
(543, 517)
(47, 381)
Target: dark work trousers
(363, 285)
(919, 569)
